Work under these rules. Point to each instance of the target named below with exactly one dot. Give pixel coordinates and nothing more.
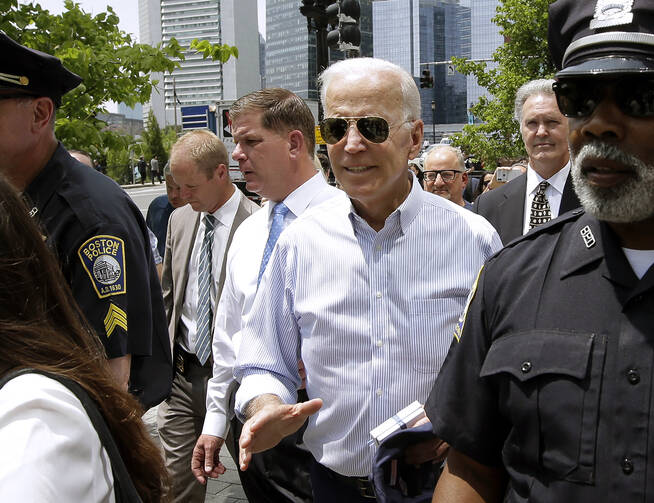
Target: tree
(523, 56)
(153, 140)
(113, 66)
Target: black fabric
(331, 487)
(124, 489)
(75, 204)
(414, 484)
(552, 377)
(280, 474)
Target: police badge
(612, 13)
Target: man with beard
(547, 395)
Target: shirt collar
(42, 188)
(406, 211)
(557, 180)
(225, 214)
(298, 200)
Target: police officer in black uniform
(547, 393)
(94, 228)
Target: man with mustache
(545, 190)
(547, 393)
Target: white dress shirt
(188, 317)
(554, 192)
(242, 268)
(371, 314)
(50, 449)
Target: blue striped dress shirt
(371, 314)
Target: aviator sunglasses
(374, 129)
(578, 97)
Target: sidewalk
(226, 489)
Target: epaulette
(552, 227)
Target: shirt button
(379, 392)
(627, 466)
(633, 376)
(378, 248)
(378, 295)
(380, 343)
(526, 367)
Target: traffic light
(343, 16)
(426, 80)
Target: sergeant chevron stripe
(116, 317)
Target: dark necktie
(540, 207)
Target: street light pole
(433, 120)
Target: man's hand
(120, 368)
(205, 461)
(272, 422)
(432, 450)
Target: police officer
(547, 393)
(94, 228)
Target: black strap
(124, 489)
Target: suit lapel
(569, 199)
(512, 209)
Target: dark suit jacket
(182, 227)
(504, 207)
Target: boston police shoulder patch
(103, 258)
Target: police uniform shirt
(552, 373)
(100, 239)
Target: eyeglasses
(447, 175)
(374, 129)
(578, 97)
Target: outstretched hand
(205, 461)
(267, 427)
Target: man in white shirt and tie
(274, 134)
(198, 237)
(545, 191)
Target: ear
(296, 145)
(42, 112)
(464, 178)
(222, 171)
(416, 138)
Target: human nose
(353, 139)
(605, 123)
(237, 154)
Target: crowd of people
(498, 330)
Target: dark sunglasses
(374, 129)
(578, 97)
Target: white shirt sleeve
(50, 450)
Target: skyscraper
(201, 81)
(291, 49)
(412, 32)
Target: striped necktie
(279, 212)
(205, 312)
(540, 207)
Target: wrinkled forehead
(357, 94)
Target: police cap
(602, 36)
(33, 73)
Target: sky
(127, 11)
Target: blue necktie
(205, 314)
(279, 212)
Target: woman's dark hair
(42, 327)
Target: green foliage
(524, 56)
(114, 67)
(153, 140)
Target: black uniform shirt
(552, 374)
(101, 242)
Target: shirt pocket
(431, 330)
(549, 385)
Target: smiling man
(558, 379)
(545, 191)
(345, 289)
(445, 174)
